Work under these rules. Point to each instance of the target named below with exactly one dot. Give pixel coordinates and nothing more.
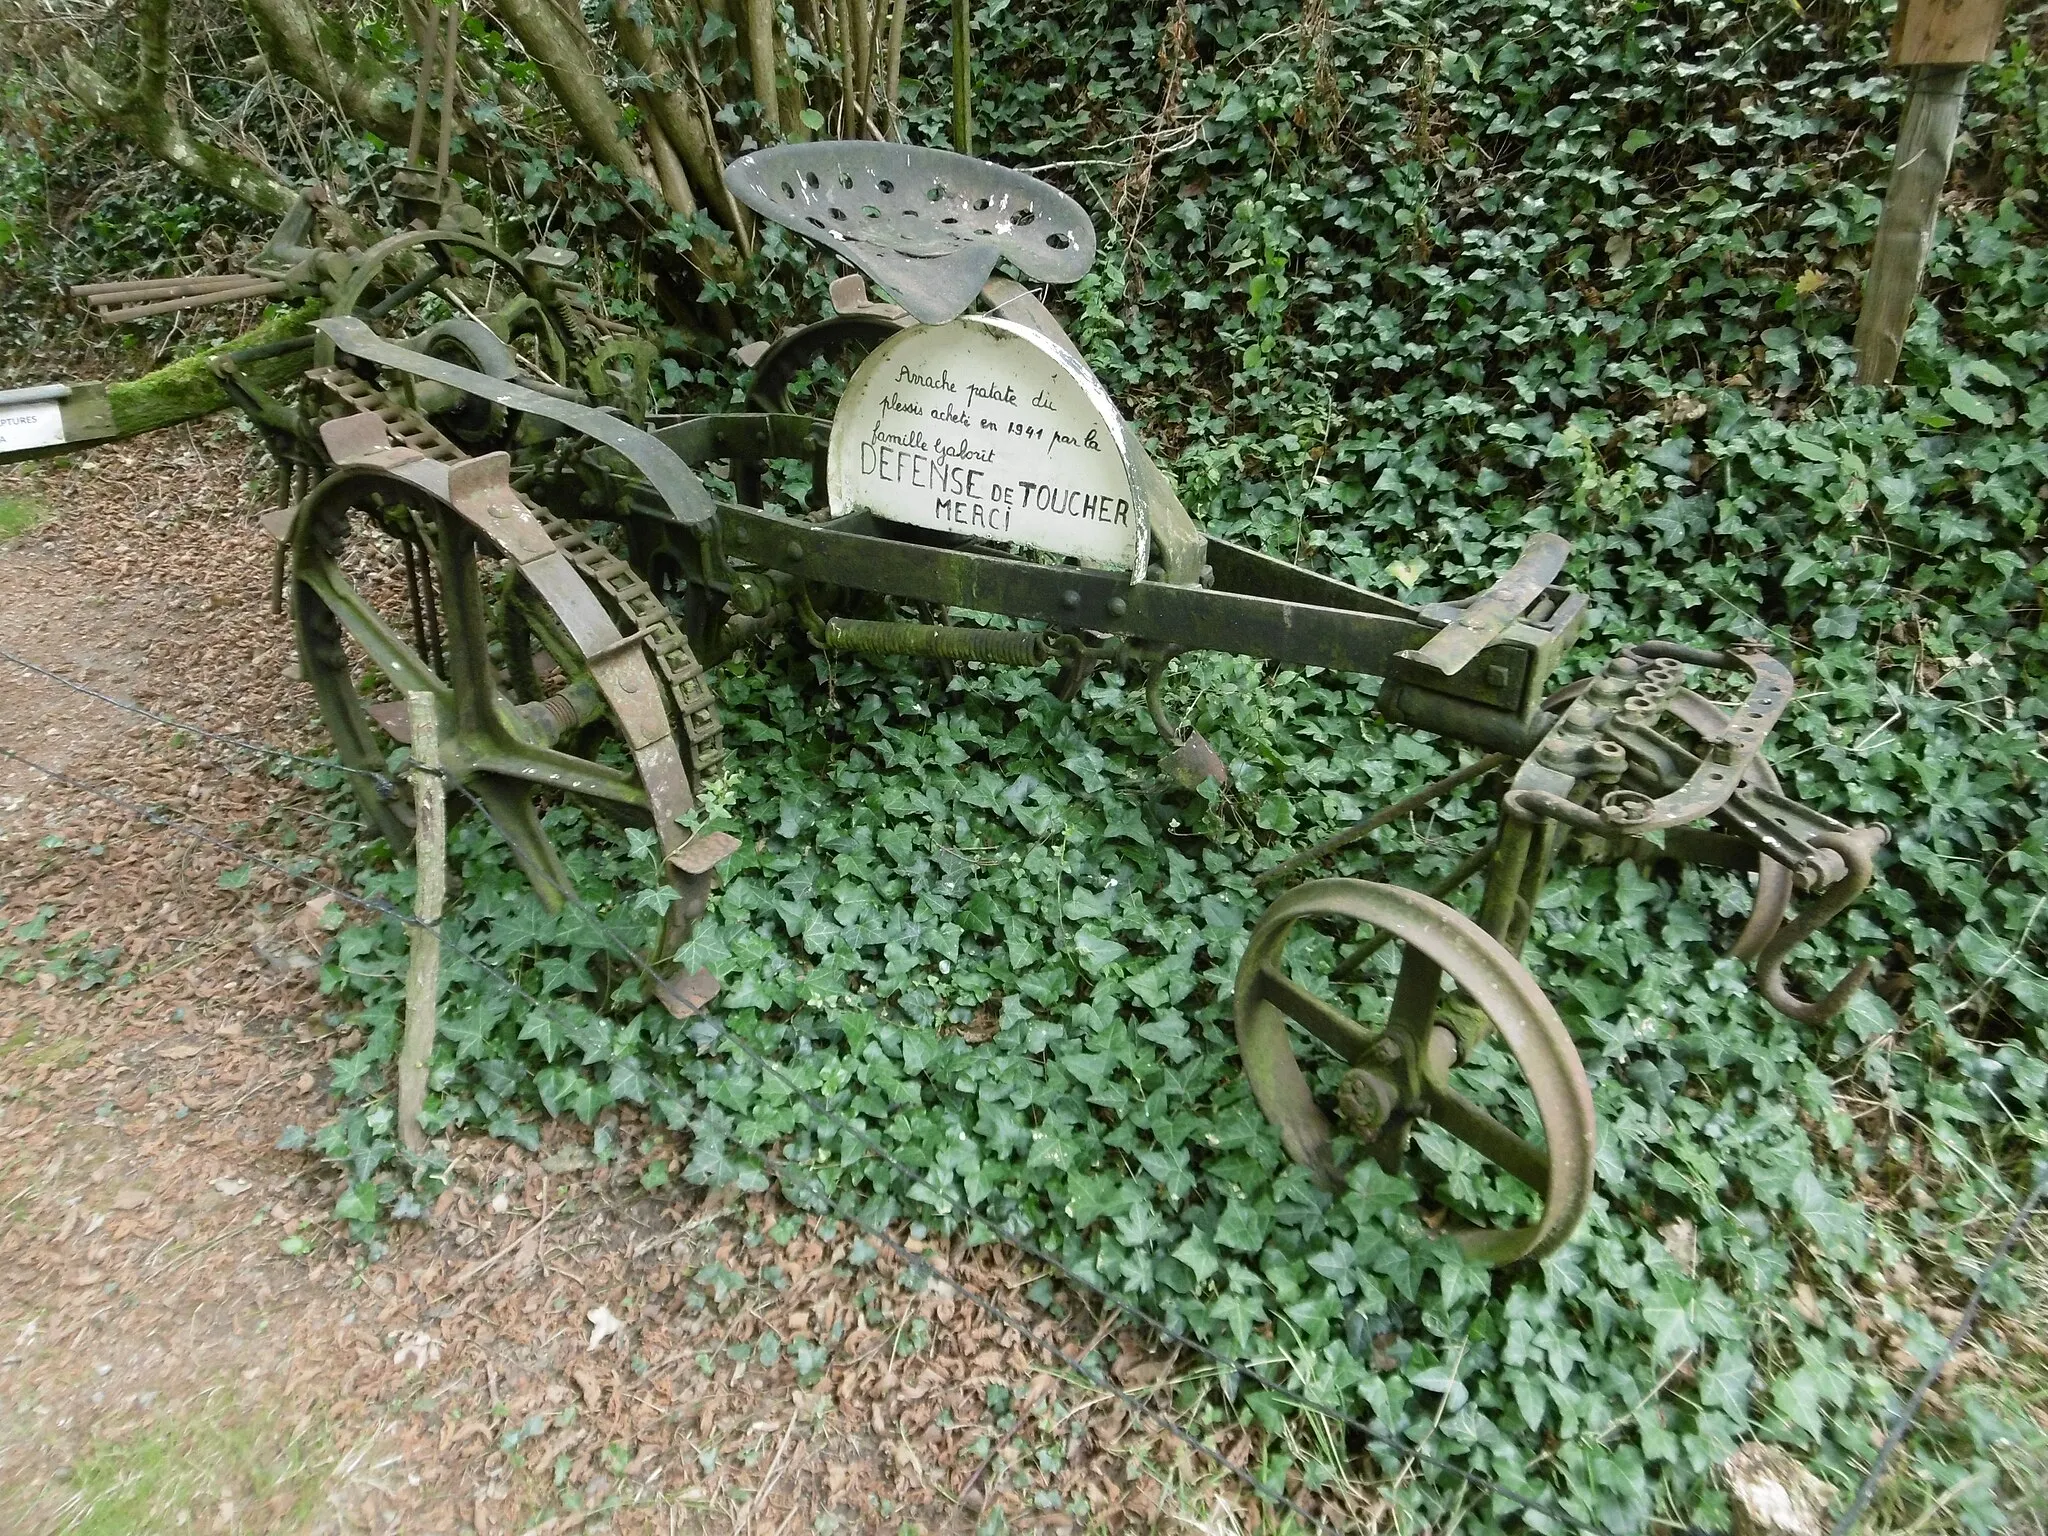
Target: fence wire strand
(1902, 1421)
(383, 781)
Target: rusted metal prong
(1358, 831)
(1858, 849)
(1767, 916)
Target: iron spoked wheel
(362, 666)
(1388, 1048)
(460, 299)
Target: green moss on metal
(187, 389)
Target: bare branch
(761, 51)
(675, 181)
(687, 128)
(324, 58)
(144, 113)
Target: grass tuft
(17, 515)
(219, 1466)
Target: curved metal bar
(681, 492)
(1385, 816)
(1773, 879)
(1858, 848)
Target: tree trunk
(561, 51)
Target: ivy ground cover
(1392, 286)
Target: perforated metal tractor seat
(926, 224)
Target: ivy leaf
(543, 1030)
(1199, 1255)
(358, 1202)
(466, 1029)
(1243, 1227)
(1671, 1327)
(1963, 403)
(1839, 1230)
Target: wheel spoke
(468, 629)
(543, 767)
(1488, 1137)
(1413, 1010)
(510, 808)
(1335, 1028)
(406, 670)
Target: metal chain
(689, 690)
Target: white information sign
(987, 428)
(34, 424)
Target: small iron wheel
(807, 368)
(461, 300)
(1388, 1059)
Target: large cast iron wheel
(395, 592)
(1402, 1041)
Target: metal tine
(252, 290)
(156, 286)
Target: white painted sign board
(32, 424)
(988, 428)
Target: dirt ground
(190, 1342)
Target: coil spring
(936, 642)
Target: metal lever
(1488, 616)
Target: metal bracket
(1496, 610)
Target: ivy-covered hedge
(1394, 285)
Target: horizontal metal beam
(1347, 630)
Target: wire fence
(1010, 1222)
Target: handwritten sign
(987, 428)
(30, 424)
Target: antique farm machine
(476, 504)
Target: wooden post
(963, 82)
(1905, 230)
(1936, 41)
(430, 860)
